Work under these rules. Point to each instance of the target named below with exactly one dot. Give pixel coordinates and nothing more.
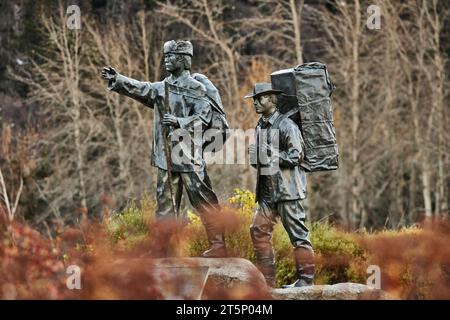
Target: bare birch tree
(94, 143)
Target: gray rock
(194, 278)
(227, 278)
(340, 291)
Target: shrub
(341, 258)
(242, 204)
(131, 226)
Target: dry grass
(414, 262)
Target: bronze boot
(268, 271)
(217, 247)
(304, 262)
(216, 238)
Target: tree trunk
(427, 190)
(356, 167)
(441, 197)
(235, 98)
(79, 154)
(73, 62)
(411, 215)
(296, 21)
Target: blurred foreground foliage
(414, 261)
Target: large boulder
(340, 291)
(191, 278)
(226, 278)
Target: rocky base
(217, 278)
(340, 291)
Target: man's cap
(179, 47)
(262, 88)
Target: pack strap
(185, 91)
(314, 101)
(196, 94)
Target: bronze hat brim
(252, 94)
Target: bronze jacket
(187, 102)
(284, 178)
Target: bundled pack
(306, 99)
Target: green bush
(340, 256)
(238, 240)
(131, 226)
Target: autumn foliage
(116, 256)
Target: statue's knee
(259, 235)
(254, 233)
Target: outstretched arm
(143, 92)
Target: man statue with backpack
(281, 187)
(295, 135)
(185, 106)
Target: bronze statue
(281, 187)
(183, 109)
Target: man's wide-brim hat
(179, 47)
(262, 88)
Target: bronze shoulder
(288, 124)
(196, 85)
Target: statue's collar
(270, 119)
(180, 79)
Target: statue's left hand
(170, 119)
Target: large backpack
(218, 125)
(307, 89)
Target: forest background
(67, 146)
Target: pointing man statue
(181, 103)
